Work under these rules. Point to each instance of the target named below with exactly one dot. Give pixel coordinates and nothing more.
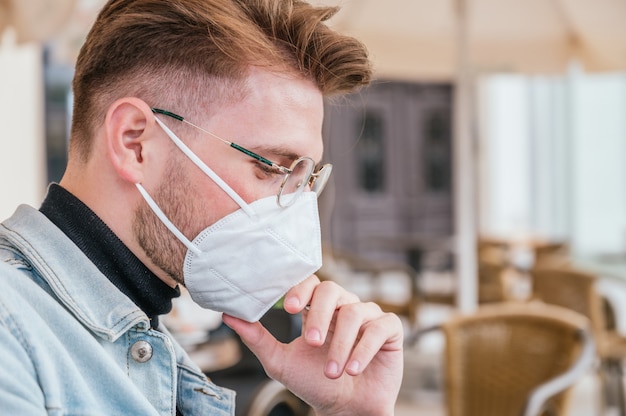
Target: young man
(194, 160)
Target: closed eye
(267, 170)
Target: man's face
(280, 119)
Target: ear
(129, 125)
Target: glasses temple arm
(231, 144)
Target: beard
(173, 195)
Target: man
(194, 160)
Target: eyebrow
(275, 151)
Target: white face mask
(245, 262)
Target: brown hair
(184, 54)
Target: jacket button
(141, 351)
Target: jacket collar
(73, 278)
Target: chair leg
(612, 376)
(619, 373)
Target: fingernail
(292, 301)
(353, 366)
(332, 368)
(313, 335)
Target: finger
(297, 298)
(382, 334)
(326, 299)
(350, 322)
(258, 339)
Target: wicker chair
(576, 289)
(513, 359)
(494, 250)
(552, 253)
(491, 282)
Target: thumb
(260, 341)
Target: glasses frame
(315, 179)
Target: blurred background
(495, 133)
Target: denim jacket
(72, 344)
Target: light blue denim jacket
(66, 336)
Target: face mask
(245, 262)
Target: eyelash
(267, 170)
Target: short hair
(190, 53)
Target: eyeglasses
(300, 175)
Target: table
(611, 272)
(608, 265)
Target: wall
(22, 159)
(553, 151)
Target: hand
(348, 360)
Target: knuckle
(329, 285)
(386, 322)
(342, 345)
(376, 325)
(394, 318)
(374, 306)
(351, 311)
(332, 288)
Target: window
(370, 153)
(437, 163)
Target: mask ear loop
(208, 171)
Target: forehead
(280, 115)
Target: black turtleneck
(108, 253)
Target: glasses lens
(320, 179)
(295, 183)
